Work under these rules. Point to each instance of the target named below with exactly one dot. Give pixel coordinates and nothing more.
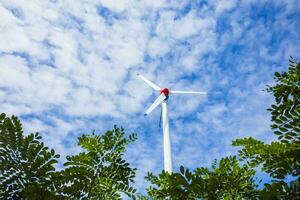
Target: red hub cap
(165, 91)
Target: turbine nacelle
(165, 91)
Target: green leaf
(288, 137)
(182, 169)
(277, 74)
(284, 141)
(283, 129)
(277, 133)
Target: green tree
(27, 168)
(228, 180)
(26, 165)
(100, 172)
(280, 159)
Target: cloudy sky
(69, 67)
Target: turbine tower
(163, 100)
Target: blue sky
(68, 67)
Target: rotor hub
(165, 91)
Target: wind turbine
(163, 100)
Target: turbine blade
(186, 92)
(158, 101)
(150, 83)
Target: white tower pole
(167, 139)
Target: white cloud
(224, 5)
(12, 33)
(16, 67)
(157, 47)
(117, 6)
(184, 27)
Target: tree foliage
(100, 172)
(286, 110)
(27, 168)
(228, 180)
(26, 165)
(280, 159)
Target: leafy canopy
(228, 180)
(100, 172)
(26, 165)
(27, 168)
(280, 159)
